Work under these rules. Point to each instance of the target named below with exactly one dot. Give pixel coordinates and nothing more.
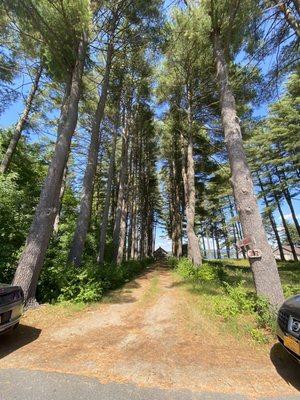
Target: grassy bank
(224, 290)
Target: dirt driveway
(148, 334)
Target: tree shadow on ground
(286, 366)
(17, 338)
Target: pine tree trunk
(21, 123)
(61, 195)
(235, 234)
(225, 234)
(150, 235)
(175, 214)
(204, 247)
(213, 243)
(178, 222)
(265, 272)
(235, 241)
(122, 234)
(130, 230)
(33, 255)
(134, 241)
(209, 253)
(271, 218)
(105, 215)
(85, 209)
(120, 211)
(188, 176)
(217, 242)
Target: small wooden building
(160, 253)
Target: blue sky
(12, 113)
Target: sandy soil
(149, 334)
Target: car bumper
(16, 310)
(280, 336)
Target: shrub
(189, 272)
(173, 262)
(207, 273)
(265, 316)
(60, 282)
(186, 269)
(236, 300)
(81, 287)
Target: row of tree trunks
(271, 218)
(33, 255)
(105, 214)
(264, 268)
(84, 216)
(287, 195)
(21, 123)
(121, 209)
(188, 177)
(284, 222)
(176, 220)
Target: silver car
(11, 306)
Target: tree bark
(61, 195)
(175, 215)
(120, 210)
(235, 235)
(209, 253)
(85, 209)
(21, 123)
(265, 272)
(105, 215)
(122, 234)
(134, 234)
(213, 242)
(225, 234)
(188, 176)
(33, 255)
(217, 242)
(204, 247)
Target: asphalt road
(35, 385)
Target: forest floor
(150, 334)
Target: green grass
(224, 290)
(152, 291)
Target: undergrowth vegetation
(86, 284)
(225, 289)
(89, 283)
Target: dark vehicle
(288, 331)
(11, 306)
